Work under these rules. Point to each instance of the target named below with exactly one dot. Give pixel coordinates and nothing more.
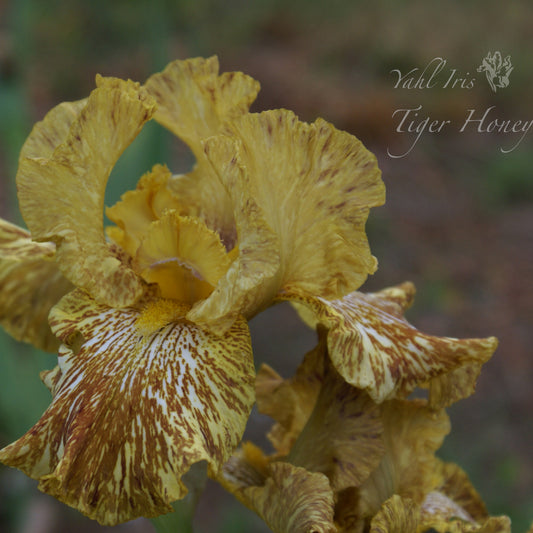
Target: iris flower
(155, 369)
(356, 457)
(149, 317)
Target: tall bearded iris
(149, 317)
(155, 367)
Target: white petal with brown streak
(141, 397)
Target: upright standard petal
(52, 131)
(194, 102)
(61, 193)
(374, 348)
(304, 192)
(30, 284)
(138, 398)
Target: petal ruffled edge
(30, 285)
(194, 100)
(288, 498)
(374, 348)
(49, 186)
(302, 193)
(139, 396)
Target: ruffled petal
(61, 193)
(437, 510)
(289, 402)
(294, 500)
(194, 101)
(183, 256)
(458, 488)
(303, 193)
(324, 424)
(397, 515)
(374, 348)
(137, 209)
(409, 468)
(456, 507)
(30, 284)
(141, 396)
(288, 498)
(52, 131)
(343, 437)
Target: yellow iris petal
(409, 468)
(61, 193)
(343, 437)
(323, 424)
(183, 256)
(30, 284)
(194, 101)
(52, 131)
(288, 498)
(397, 515)
(458, 488)
(374, 348)
(289, 402)
(137, 209)
(301, 195)
(135, 404)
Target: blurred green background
(459, 215)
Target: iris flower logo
(497, 71)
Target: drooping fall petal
(374, 348)
(138, 398)
(30, 284)
(301, 194)
(457, 487)
(456, 507)
(61, 193)
(194, 102)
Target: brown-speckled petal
(30, 284)
(288, 498)
(301, 194)
(374, 348)
(397, 515)
(61, 193)
(412, 434)
(138, 398)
